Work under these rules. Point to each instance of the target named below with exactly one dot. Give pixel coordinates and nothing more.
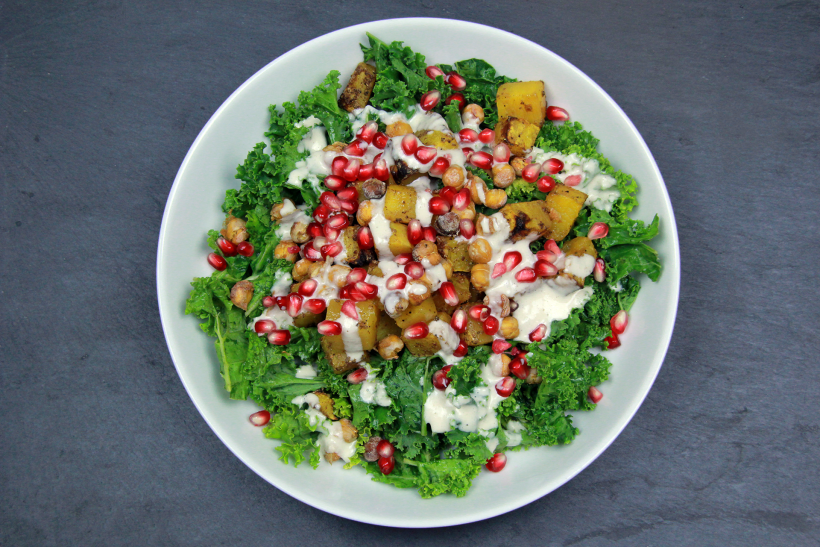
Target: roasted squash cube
(439, 139)
(526, 218)
(519, 134)
(458, 253)
(399, 242)
(428, 345)
(400, 203)
(524, 100)
(474, 335)
(423, 313)
(565, 204)
(359, 88)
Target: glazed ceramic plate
(193, 208)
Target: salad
(421, 273)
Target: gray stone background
(99, 442)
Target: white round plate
(193, 208)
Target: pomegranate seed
(598, 230)
(440, 380)
(349, 309)
(496, 463)
(448, 292)
(335, 182)
(415, 232)
(594, 394)
(338, 221)
(308, 287)
(468, 135)
(365, 173)
(545, 184)
(491, 325)
(612, 341)
(573, 180)
(547, 256)
(618, 322)
(396, 282)
(433, 71)
(356, 275)
(467, 228)
(367, 289)
(520, 368)
(553, 247)
(429, 234)
(468, 153)
(260, 418)
(439, 167)
(448, 194)
(486, 136)
(461, 350)
(425, 154)
(337, 166)
(380, 140)
(217, 262)
(552, 166)
(321, 213)
(356, 148)
(349, 206)
(419, 330)
(498, 270)
(525, 275)
(438, 205)
(264, 326)
(480, 312)
(349, 193)
(227, 248)
(381, 171)
(357, 376)
(351, 172)
(294, 304)
(459, 321)
(430, 100)
(409, 144)
(329, 328)
(330, 200)
(545, 269)
(530, 173)
(314, 230)
(331, 234)
(279, 337)
(311, 253)
(462, 199)
(512, 259)
(268, 302)
(282, 302)
(459, 97)
(505, 386)
(557, 114)
(500, 346)
(501, 153)
(355, 294)
(367, 132)
(403, 258)
(538, 333)
(331, 249)
(599, 272)
(515, 351)
(385, 449)
(364, 238)
(482, 160)
(456, 81)
(386, 465)
(414, 270)
(315, 306)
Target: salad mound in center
(414, 271)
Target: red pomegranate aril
(501, 153)
(259, 418)
(468, 135)
(500, 346)
(462, 199)
(308, 287)
(356, 148)
(217, 262)
(430, 100)
(545, 269)
(331, 249)
(364, 238)
(496, 463)
(264, 326)
(329, 328)
(552, 166)
(530, 173)
(599, 271)
(416, 331)
(357, 376)
(365, 173)
(456, 81)
(367, 132)
(448, 194)
(414, 270)
(618, 322)
(505, 386)
(594, 394)
(321, 213)
(430, 234)
(482, 160)
(479, 312)
(349, 206)
(227, 248)
(337, 167)
(330, 200)
(386, 465)
(439, 167)
(438, 205)
(459, 321)
(525, 275)
(468, 153)
(385, 449)
(557, 114)
(440, 380)
(349, 309)
(516, 351)
(458, 97)
(380, 140)
(314, 230)
(396, 282)
(425, 154)
(282, 302)
(538, 333)
(613, 341)
(268, 302)
(598, 230)
(331, 233)
(486, 136)
(572, 180)
(467, 228)
(337, 221)
(546, 255)
(553, 247)
(512, 259)
(355, 294)
(294, 304)
(448, 292)
(403, 259)
(519, 368)
(545, 184)
(367, 289)
(381, 171)
(311, 253)
(433, 71)
(279, 337)
(491, 325)
(315, 305)
(351, 172)
(415, 232)
(344, 292)
(461, 350)
(498, 270)
(356, 275)
(409, 144)
(335, 182)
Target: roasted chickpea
(365, 213)
(286, 250)
(338, 275)
(480, 277)
(301, 270)
(234, 230)
(478, 190)
(241, 294)
(480, 251)
(453, 177)
(426, 250)
(398, 129)
(495, 199)
(509, 327)
(390, 347)
(518, 165)
(503, 175)
(298, 233)
(472, 114)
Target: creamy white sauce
(513, 433)
(351, 338)
(423, 196)
(579, 266)
(380, 228)
(448, 338)
(306, 371)
(601, 188)
(331, 439)
(551, 300)
(290, 216)
(373, 390)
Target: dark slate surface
(100, 444)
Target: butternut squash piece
(359, 89)
(519, 134)
(400, 203)
(526, 218)
(565, 204)
(524, 100)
